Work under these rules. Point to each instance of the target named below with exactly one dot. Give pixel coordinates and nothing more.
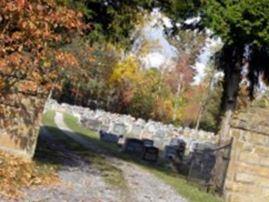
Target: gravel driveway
(81, 182)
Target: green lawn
(191, 192)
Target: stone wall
(247, 178)
(131, 127)
(19, 124)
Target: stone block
(236, 133)
(255, 138)
(261, 151)
(21, 124)
(250, 189)
(249, 158)
(253, 169)
(264, 161)
(237, 197)
(245, 178)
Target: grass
(191, 192)
(111, 174)
(72, 123)
(48, 119)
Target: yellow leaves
(46, 64)
(91, 59)
(127, 70)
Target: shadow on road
(54, 147)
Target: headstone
(136, 130)
(92, 124)
(158, 142)
(108, 137)
(151, 153)
(148, 142)
(204, 146)
(150, 127)
(160, 133)
(133, 146)
(146, 135)
(176, 149)
(170, 152)
(202, 161)
(119, 128)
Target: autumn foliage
(29, 33)
(16, 173)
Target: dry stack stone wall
(247, 179)
(19, 126)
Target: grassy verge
(93, 136)
(187, 190)
(111, 174)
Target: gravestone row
(130, 127)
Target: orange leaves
(66, 59)
(2, 84)
(16, 173)
(28, 86)
(27, 30)
(20, 3)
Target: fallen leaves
(16, 173)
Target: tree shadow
(56, 148)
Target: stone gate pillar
(247, 178)
(20, 120)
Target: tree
(243, 28)
(112, 21)
(30, 34)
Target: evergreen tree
(243, 27)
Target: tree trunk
(233, 63)
(231, 88)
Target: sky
(162, 52)
(203, 59)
